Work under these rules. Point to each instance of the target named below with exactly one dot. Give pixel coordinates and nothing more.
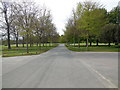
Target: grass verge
(21, 51)
(95, 49)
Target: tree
(92, 19)
(14, 28)
(108, 33)
(38, 30)
(87, 21)
(62, 39)
(69, 32)
(114, 18)
(6, 10)
(113, 15)
(28, 22)
(26, 15)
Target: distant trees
(27, 22)
(109, 33)
(114, 18)
(113, 15)
(91, 22)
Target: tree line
(27, 23)
(90, 22)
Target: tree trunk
(74, 41)
(90, 43)
(87, 42)
(8, 35)
(8, 29)
(23, 42)
(30, 41)
(30, 44)
(27, 44)
(97, 42)
(49, 43)
(16, 41)
(16, 36)
(43, 44)
(109, 44)
(40, 42)
(78, 43)
(116, 43)
(46, 44)
(37, 44)
(52, 41)
(9, 46)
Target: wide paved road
(61, 68)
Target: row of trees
(27, 22)
(91, 22)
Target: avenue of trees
(26, 23)
(90, 22)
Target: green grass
(21, 51)
(95, 48)
(94, 44)
(0, 50)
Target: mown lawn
(93, 44)
(0, 50)
(101, 48)
(20, 51)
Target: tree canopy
(88, 22)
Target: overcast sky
(61, 9)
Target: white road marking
(104, 80)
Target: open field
(101, 48)
(19, 51)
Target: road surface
(62, 68)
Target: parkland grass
(21, 51)
(94, 48)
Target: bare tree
(27, 21)
(7, 15)
(26, 17)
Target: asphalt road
(61, 68)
